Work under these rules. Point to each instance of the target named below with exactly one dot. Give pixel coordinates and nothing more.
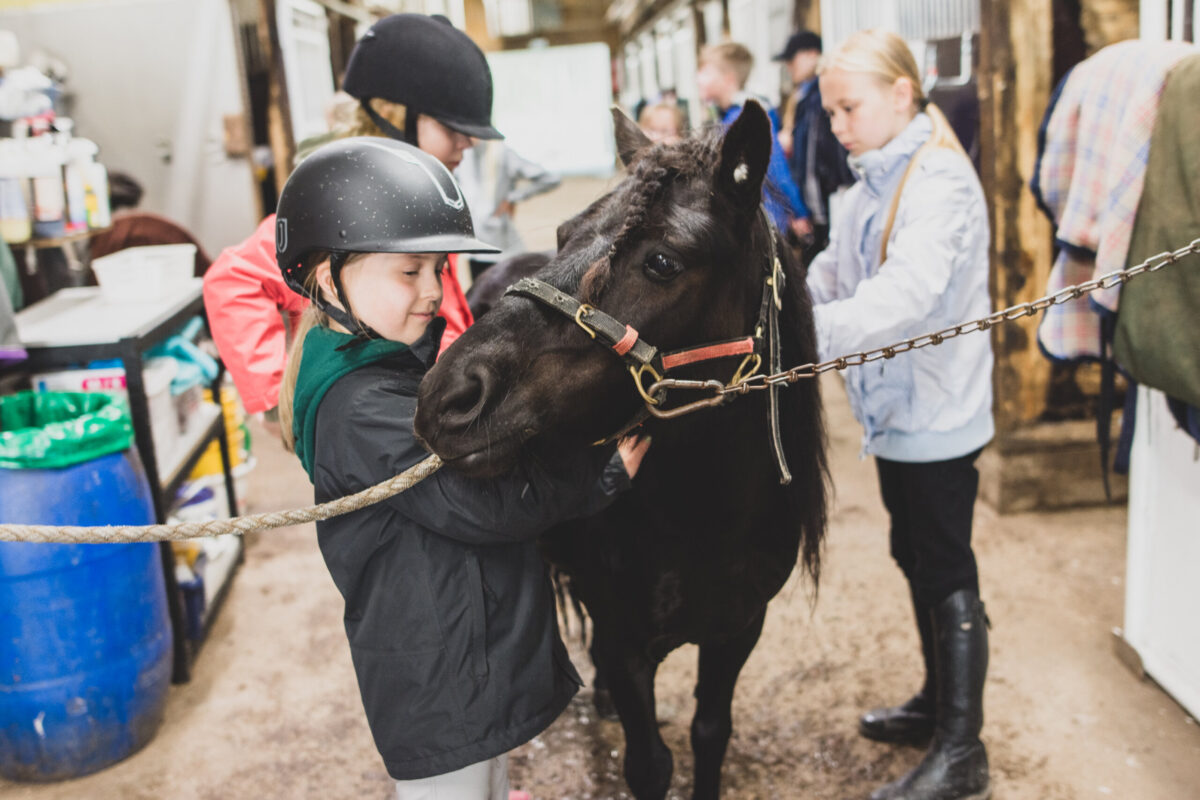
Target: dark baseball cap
(797, 42)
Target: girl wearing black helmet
(417, 79)
(449, 610)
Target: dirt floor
(273, 710)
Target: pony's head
(676, 251)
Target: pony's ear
(630, 139)
(744, 156)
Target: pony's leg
(601, 695)
(648, 762)
(713, 722)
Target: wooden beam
(1014, 90)
(806, 15)
(279, 115)
(348, 10)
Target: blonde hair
(677, 115)
(361, 124)
(730, 56)
(311, 318)
(348, 118)
(885, 56)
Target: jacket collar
(328, 356)
(879, 169)
(426, 348)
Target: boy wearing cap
(817, 161)
(721, 79)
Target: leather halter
(641, 357)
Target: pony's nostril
(464, 400)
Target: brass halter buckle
(584, 308)
(652, 398)
(774, 282)
(747, 369)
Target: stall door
(1162, 595)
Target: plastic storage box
(144, 274)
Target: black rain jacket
(449, 608)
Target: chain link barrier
(111, 534)
(761, 382)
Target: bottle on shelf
(45, 159)
(15, 226)
(95, 185)
(79, 156)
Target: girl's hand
(633, 449)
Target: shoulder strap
(891, 217)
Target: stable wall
(150, 83)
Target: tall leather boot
(956, 766)
(911, 722)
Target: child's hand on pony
(633, 449)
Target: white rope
(119, 534)
(110, 534)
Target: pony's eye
(662, 268)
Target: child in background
(721, 79)
(817, 161)
(416, 79)
(449, 610)
(494, 178)
(908, 255)
(663, 123)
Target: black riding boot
(912, 722)
(956, 766)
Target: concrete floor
(273, 710)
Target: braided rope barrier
(122, 534)
(116, 534)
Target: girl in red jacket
(417, 79)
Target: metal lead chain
(812, 370)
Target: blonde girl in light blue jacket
(908, 254)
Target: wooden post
(806, 15)
(279, 115)
(1014, 89)
(1032, 464)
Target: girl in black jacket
(449, 611)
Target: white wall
(763, 26)
(552, 105)
(152, 80)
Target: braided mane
(656, 168)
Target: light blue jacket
(925, 405)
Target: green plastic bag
(50, 430)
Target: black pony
(708, 534)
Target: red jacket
(245, 298)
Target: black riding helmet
(428, 66)
(368, 195)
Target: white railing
(1170, 19)
(915, 20)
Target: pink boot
(519, 796)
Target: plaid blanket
(1090, 174)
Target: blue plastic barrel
(85, 639)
